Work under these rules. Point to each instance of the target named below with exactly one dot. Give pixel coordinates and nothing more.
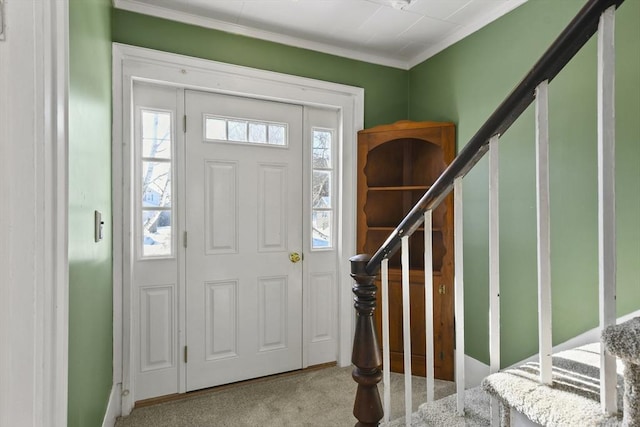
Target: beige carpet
(321, 397)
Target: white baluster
(428, 303)
(406, 330)
(386, 359)
(494, 269)
(459, 293)
(606, 200)
(544, 236)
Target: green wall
(386, 99)
(464, 84)
(90, 277)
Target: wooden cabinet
(396, 165)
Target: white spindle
(386, 359)
(494, 269)
(459, 293)
(544, 236)
(428, 303)
(606, 200)
(406, 330)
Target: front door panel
(244, 219)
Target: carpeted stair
(573, 399)
(442, 412)
(623, 341)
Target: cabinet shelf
(402, 188)
(390, 229)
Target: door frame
(140, 64)
(34, 300)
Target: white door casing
(346, 103)
(243, 219)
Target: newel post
(366, 351)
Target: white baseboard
(113, 407)
(475, 370)
(591, 336)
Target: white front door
(244, 202)
(215, 214)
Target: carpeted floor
(321, 397)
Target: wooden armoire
(396, 165)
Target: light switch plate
(98, 226)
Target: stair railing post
(366, 356)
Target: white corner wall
(33, 268)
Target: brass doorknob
(294, 257)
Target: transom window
(156, 180)
(322, 193)
(236, 130)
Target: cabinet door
(443, 330)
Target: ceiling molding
(405, 64)
(161, 12)
(464, 32)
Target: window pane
(322, 149)
(321, 226)
(321, 189)
(156, 184)
(215, 128)
(156, 134)
(156, 227)
(237, 131)
(258, 132)
(277, 135)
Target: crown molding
(404, 64)
(464, 32)
(201, 21)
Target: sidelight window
(156, 168)
(322, 191)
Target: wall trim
(386, 60)
(134, 63)
(477, 370)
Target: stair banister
(591, 18)
(568, 43)
(494, 267)
(406, 329)
(543, 219)
(386, 355)
(428, 304)
(366, 352)
(606, 202)
(458, 289)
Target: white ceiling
(368, 30)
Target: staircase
(577, 387)
(573, 398)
